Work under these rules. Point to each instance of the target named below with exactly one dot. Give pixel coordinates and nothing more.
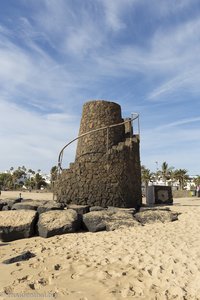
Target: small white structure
(158, 194)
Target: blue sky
(57, 54)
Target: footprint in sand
(34, 265)
(128, 290)
(57, 267)
(38, 284)
(8, 290)
(24, 279)
(15, 271)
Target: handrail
(92, 131)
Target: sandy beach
(155, 261)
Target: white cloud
(186, 80)
(180, 122)
(33, 74)
(29, 138)
(178, 58)
(62, 53)
(84, 39)
(177, 146)
(113, 11)
(163, 8)
(71, 29)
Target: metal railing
(134, 116)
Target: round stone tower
(106, 171)
(95, 115)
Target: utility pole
(156, 162)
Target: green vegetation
(54, 172)
(22, 178)
(146, 176)
(166, 172)
(168, 175)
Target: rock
(55, 222)
(10, 202)
(108, 220)
(49, 206)
(25, 205)
(2, 204)
(17, 224)
(24, 256)
(18, 200)
(32, 204)
(95, 221)
(39, 202)
(97, 208)
(80, 209)
(25, 200)
(144, 208)
(159, 215)
(6, 207)
(121, 218)
(126, 210)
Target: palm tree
(6, 181)
(166, 171)
(54, 171)
(54, 175)
(30, 171)
(146, 176)
(30, 183)
(17, 175)
(39, 180)
(23, 168)
(181, 175)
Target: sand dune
(155, 261)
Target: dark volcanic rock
(49, 206)
(144, 208)
(108, 220)
(31, 204)
(55, 222)
(97, 208)
(16, 224)
(9, 203)
(80, 209)
(159, 215)
(39, 202)
(2, 204)
(121, 218)
(121, 209)
(6, 207)
(95, 221)
(25, 205)
(24, 256)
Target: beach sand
(26, 195)
(155, 261)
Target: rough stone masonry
(106, 171)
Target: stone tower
(106, 171)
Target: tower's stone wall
(98, 114)
(106, 170)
